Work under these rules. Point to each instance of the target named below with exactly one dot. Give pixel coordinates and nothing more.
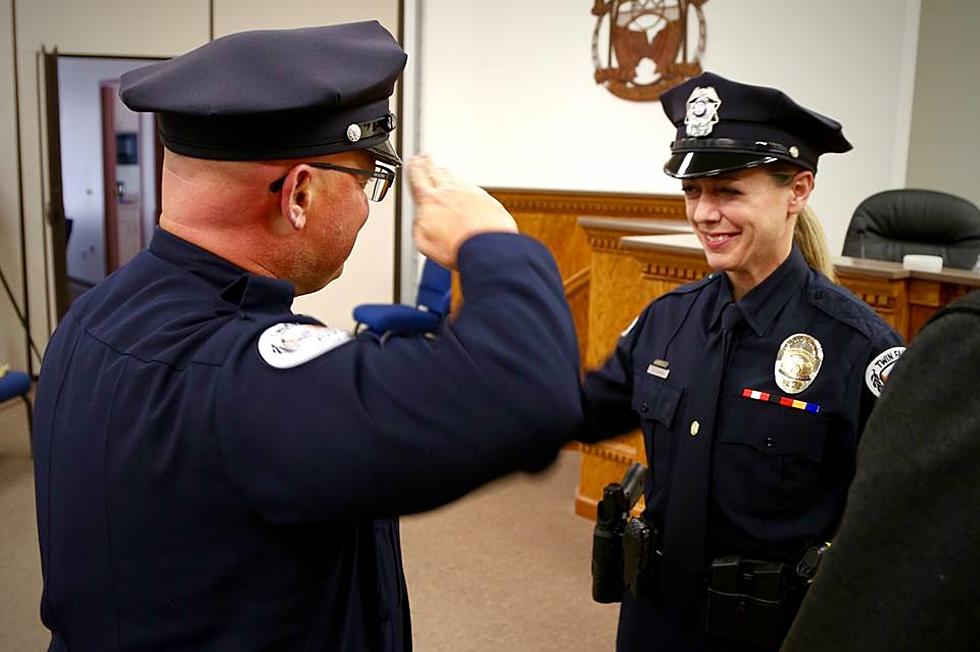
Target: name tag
(659, 372)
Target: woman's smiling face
(745, 221)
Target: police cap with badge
(723, 126)
(275, 94)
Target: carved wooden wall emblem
(641, 48)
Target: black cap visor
(690, 165)
(385, 153)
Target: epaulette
(841, 304)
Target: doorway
(111, 159)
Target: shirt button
(770, 441)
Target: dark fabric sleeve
(902, 572)
(607, 392)
(375, 428)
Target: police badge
(702, 111)
(798, 362)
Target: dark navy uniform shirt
(779, 475)
(205, 482)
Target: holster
(641, 558)
(750, 601)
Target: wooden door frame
(110, 230)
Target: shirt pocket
(768, 462)
(656, 403)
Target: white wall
(945, 137)
(12, 346)
(80, 107)
(151, 28)
(509, 99)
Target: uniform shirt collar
(250, 292)
(762, 303)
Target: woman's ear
(296, 196)
(799, 191)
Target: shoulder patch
(287, 345)
(876, 375)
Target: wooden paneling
(552, 216)
(587, 249)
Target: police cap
(273, 94)
(724, 125)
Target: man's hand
(448, 212)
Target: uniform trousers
(647, 625)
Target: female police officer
(751, 386)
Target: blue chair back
(435, 288)
(15, 384)
(431, 306)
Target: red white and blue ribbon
(781, 400)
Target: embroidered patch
(287, 345)
(876, 375)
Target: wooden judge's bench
(617, 252)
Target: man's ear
(800, 188)
(297, 195)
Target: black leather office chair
(890, 224)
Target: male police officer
(214, 472)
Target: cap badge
(702, 111)
(354, 133)
(798, 362)
(794, 151)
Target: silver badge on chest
(798, 362)
(702, 111)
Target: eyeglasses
(375, 182)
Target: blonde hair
(808, 234)
(809, 237)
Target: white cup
(923, 263)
